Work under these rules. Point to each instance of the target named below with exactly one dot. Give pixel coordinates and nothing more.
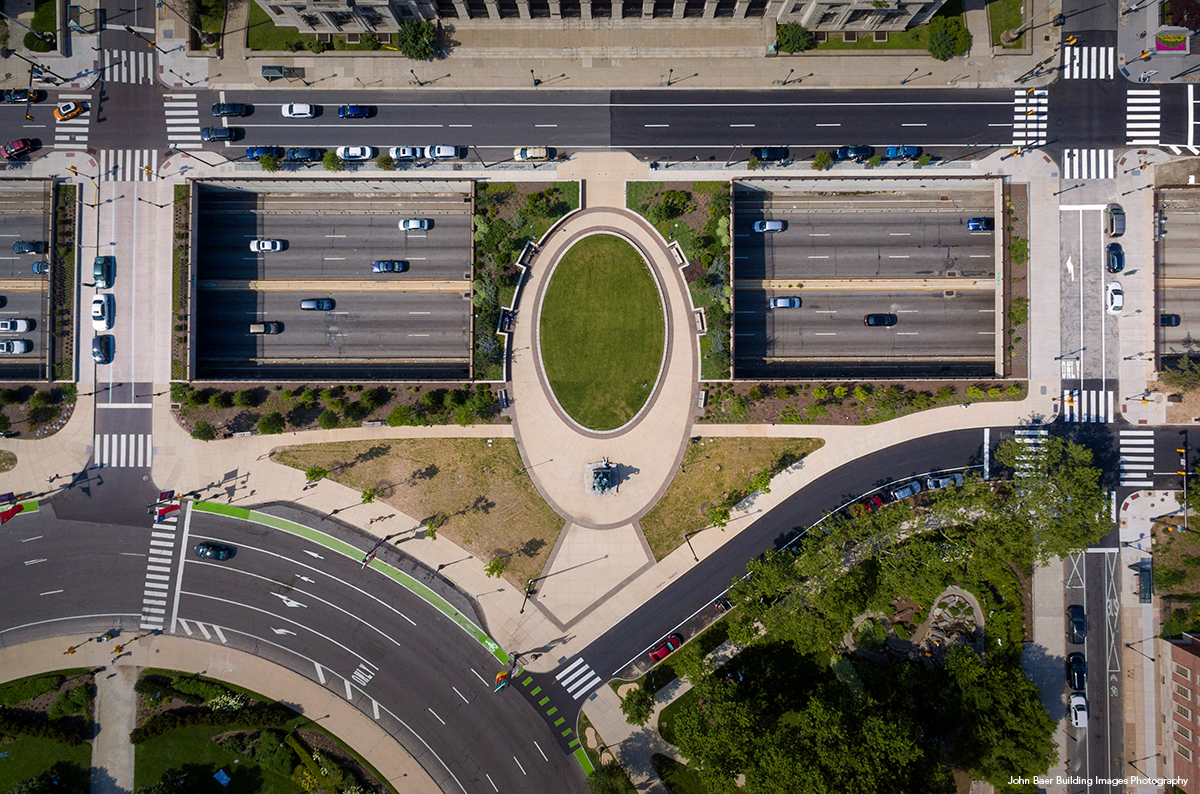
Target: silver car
(912, 489)
(355, 153)
(14, 347)
(443, 153)
(265, 246)
(405, 153)
(938, 483)
(15, 326)
(413, 224)
(102, 311)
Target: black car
(230, 109)
(769, 154)
(255, 152)
(1077, 672)
(884, 320)
(855, 152)
(15, 96)
(28, 247)
(102, 349)
(1169, 320)
(1115, 258)
(214, 551)
(354, 112)
(389, 266)
(1077, 623)
(303, 155)
(218, 133)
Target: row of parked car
(774, 154)
(908, 489)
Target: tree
(5, 423)
(368, 495)
(272, 424)
(637, 706)
(874, 161)
(417, 39)
(822, 160)
(314, 473)
(948, 36)
(793, 37)
(269, 163)
(203, 431)
(400, 416)
(328, 419)
(1185, 375)
(609, 778)
(332, 162)
(385, 162)
(220, 399)
(752, 163)
(496, 567)
(245, 398)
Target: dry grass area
(8, 461)
(714, 469)
(491, 505)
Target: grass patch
(44, 17)
(912, 39)
(602, 332)
(261, 33)
(490, 504)
(205, 757)
(712, 467)
(27, 757)
(676, 776)
(1005, 15)
(666, 717)
(8, 461)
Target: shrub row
(28, 688)
(272, 715)
(17, 722)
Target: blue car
(255, 152)
(903, 152)
(981, 224)
(354, 112)
(855, 152)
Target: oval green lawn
(602, 332)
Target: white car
(299, 111)
(413, 224)
(768, 226)
(1079, 711)
(1114, 297)
(15, 326)
(785, 303)
(266, 246)
(938, 483)
(442, 153)
(354, 153)
(102, 311)
(405, 152)
(15, 346)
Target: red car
(868, 505)
(18, 148)
(659, 652)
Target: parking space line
(825, 311)
(818, 234)
(818, 257)
(899, 256)
(906, 333)
(980, 256)
(900, 234)
(825, 333)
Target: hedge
(271, 715)
(28, 688)
(157, 688)
(205, 690)
(17, 722)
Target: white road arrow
(305, 579)
(287, 602)
(1071, 268)
(314, 554)
(284, 631)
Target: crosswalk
(183, 121)
(123, 450)
(1031, 440)
(127, 165)
(1137, 458)
(1143, 116)
(1088, 405)
(578, 678)
(126, 66)
(160, 565)
(73, 133)
(1029, 117)
(1089, 164)
(1088, 63)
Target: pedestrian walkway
(1088, 405)
(1143, 116)
(116, 713)
(127, 165)
(1089, 164)
(135, 67)
(1137, 458)
(73, 133)
(124, 450)
(183, 121)
(1029, 117)
(1031, 439)
(1087, 63)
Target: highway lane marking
(899, 256)
(818, 234)
(334, 258)
(35, 537)
(986, 333)
(825, 333)
(986, 311)
(50, 592)
(418, 334)
(829, 125)
(540, 750)
(981, 234)
(489, 777)
(313, 553)
(461, 125)
(420, 312)
(481, 678)
(545, 125)
(431, 711)
(906, 311)
(825, 311)
(818, 257)
(320, 673)
(34, 562)
(980, 256)
(350, 692)
(375, 708)
(335, 235)
(906, 333)
(914, 125)
(656, 125)
(523, 772)
(284, 631)
(899, 234)
(460, 694)
(741, 125)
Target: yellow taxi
(67, 110)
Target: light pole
(529, 591)
(150, 44)
(687, 537)
(418, 79)
(152, 204)
(184, 79)
(533, 77)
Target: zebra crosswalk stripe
(123, 450)
(1088, 405)
(1143, 116)
(127, 165)
(1089, 164)
(128, 66)
(578, 679)
(183, 120)
(1087, 63)
(1136, 460)
(1029, 117)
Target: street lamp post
(529, 591)
(149, 43)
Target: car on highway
(266, 246)
(255, 152)
(790, 302)
(902, 152)
(303, 155)
(445, 152)
(768, 226)
(267, 328)
(1114, 258)
(905, 491)
(317, 304)
(414, 224)
(102, 311)
(981, 224)
(64, 111)
(1076, 671)
(355, 153)
(104, 271)
(354, 112)
(299, 111)
(218, 134)
(102, 348)
(769, 154)
(859, 153)
(15, 325)
(1079, 711)
(15, 347)
(866, 506)
(1169, 320)
(1114, 297)
(389, 266)
(664, 649)
(214, 551)
(404, 153)
(17, 148)
(230, 109)
(1114, 220)
(28, 247)
(13, 96)
(1076, 624)
(938, 483)
(884, 320)
(533, 153)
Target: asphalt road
(830, 325)
(1087, 331)
(24, 215)
(1178, 276)
(884, 243)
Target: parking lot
(25, 210)
(1178, 274)
(908, 253)
(412, 324)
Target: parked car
(218, 134)
(28, 247)
(354, 112)
(533, 153)
(445, 152)
(104, 271)
(1114, 297)
(102, 311)
(266, 246)
(661, 651)
(1114, 258)
(40, 268)
(303, 155)
(413, 224)
(214, 551)
(15, 347)
(65, 111)
(267, 328)
(1079, 711)
(902, 152)
(769, 154)
(389, 266)
(938, 483)
(868, 505)
(1076, 624)
(905, 491)
(768, 226)
(1169, 320)
(255, 152)
(317, 304)
(15, 326)
(405, 153)
(355, 153)
(790, 302)
(1076, 671)
(722, 605)
(855, 152)
(299, 111)
(1114, 220)
(981, 224)
(102, 348)
(17, 148)
(884, 320)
